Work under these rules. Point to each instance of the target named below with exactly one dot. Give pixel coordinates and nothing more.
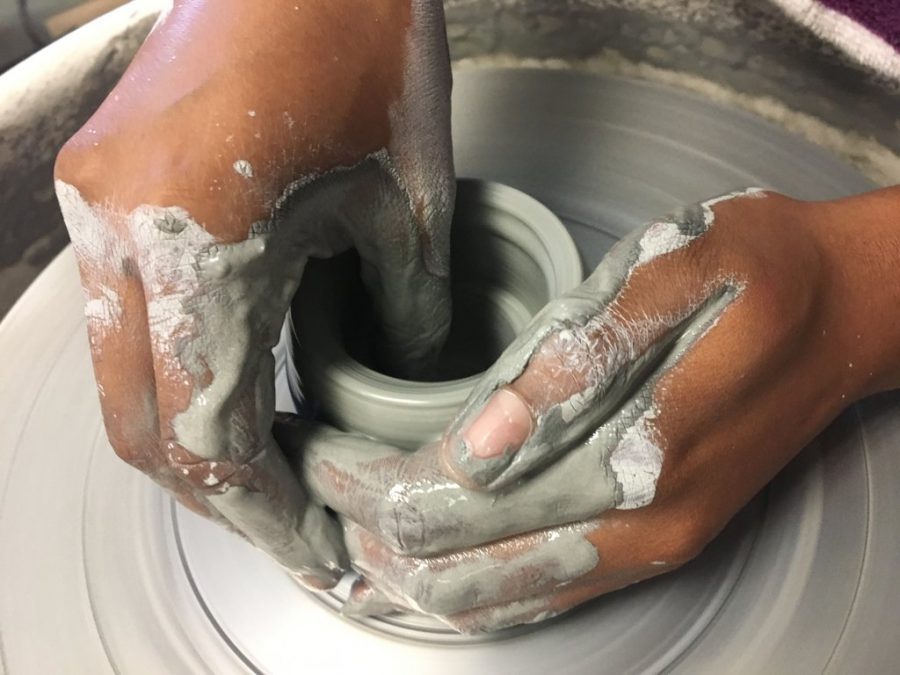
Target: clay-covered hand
(634, 417)
(244, 138)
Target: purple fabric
(882, 17)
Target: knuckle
(203, 475)
(771, 293)
(573, 350)
(778, 312)
(78, 161)
(137, 450)
(438, 586)
(690, 537)
(93, 159)
(401, 523)
(702, 260)
(132, 435)
(207, 438)
(211, 425)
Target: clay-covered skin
(636, 415)
(244, 138)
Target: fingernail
(367, 601)
(502, 427)
(316, 580)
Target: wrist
(860, 242)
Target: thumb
(585, 354)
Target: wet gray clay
(510, 256)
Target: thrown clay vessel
(510, 256)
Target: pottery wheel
(99, 572)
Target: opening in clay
(510, 256)
(496, 288)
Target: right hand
(244, 138)
(635, 415)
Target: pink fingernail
(502, 427)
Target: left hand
(244, 139)
(635, 416)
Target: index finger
(584, 354)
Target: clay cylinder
(510, 255)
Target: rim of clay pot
(358, 398)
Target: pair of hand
(609, 444)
